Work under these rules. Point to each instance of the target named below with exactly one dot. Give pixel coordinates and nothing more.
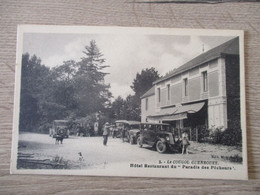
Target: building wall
(222, 82)
(214, 83)
(215, 93)
(217, 112)
(217, 102)
(195, 82)
(195, 88)
(176, 97)
(151, 107)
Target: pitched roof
(148, 93)
(230, 47)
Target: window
(168, 91)
(185, 87)
(205, 81)
(146, 104)
(159, 94)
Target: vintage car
(128, 130)
(113, 130)
(160, 136)
(59, 129)
(134, 133)
(117, 129)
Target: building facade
(202, 92)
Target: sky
(126, 54)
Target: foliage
(130, 107)
(118, 108)
(144, 81)
(203, 133)
(44, 128)
(216, 135)
(35, 78)
(92, 94)
(229, 136)
(69, 91)
(75, 90)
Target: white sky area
(125, 54)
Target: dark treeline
(130, 108)
(74, 91)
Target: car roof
(128, 122)
(166, 124)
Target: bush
(215, 135)
(229, 136)
(203, 133)
(232, 137)
(44, 128)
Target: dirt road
(43, 147)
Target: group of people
(106, 132)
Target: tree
(144, 81)
(133, 108)
(33, 83)
(64, 76)
(66, 71)
(92, 93)
(117, 108)
(71, 90)
(130, 108)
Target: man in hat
(105, 133)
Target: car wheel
(131, 140)
(139, 142)
(160, 147)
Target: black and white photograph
(132, 102)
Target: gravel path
(43, 147)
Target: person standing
(123, 133)
(185, 143)
(105, 133)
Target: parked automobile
(59, 129)
(134, 133)
(128, 130)
(160, 136)
(117, 129)
(113, 130)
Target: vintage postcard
(134, 102)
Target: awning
(190, 108)
(174, 117)
(178, 113)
